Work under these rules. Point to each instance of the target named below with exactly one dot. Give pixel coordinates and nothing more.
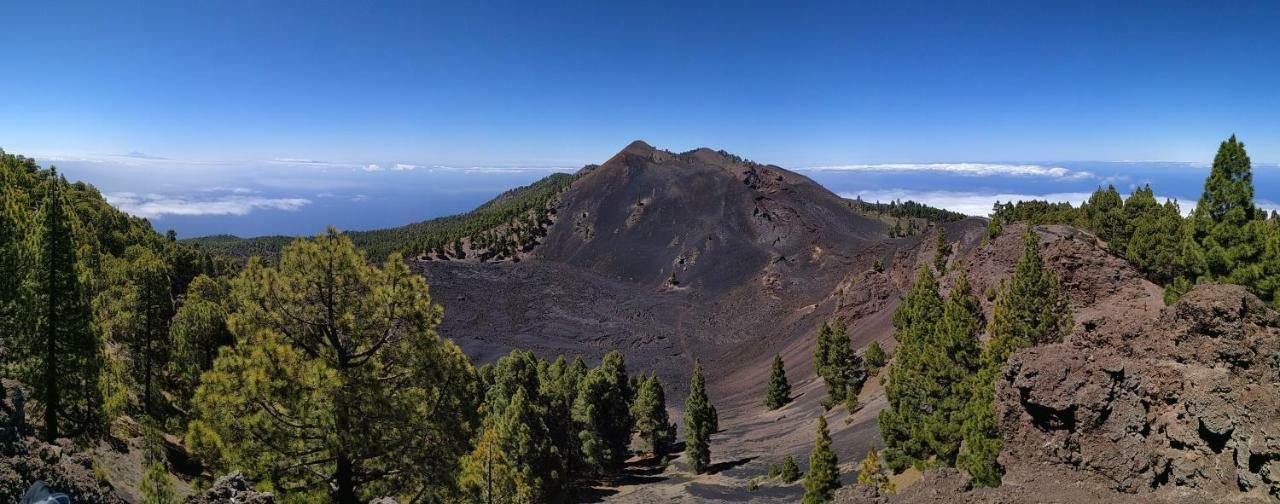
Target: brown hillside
(762, 256)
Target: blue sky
(227, 94)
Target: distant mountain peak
(639, 147)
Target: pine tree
(823, 477)
(871, 473)
(1140, 206)
(908, 388)
(538, 467)
(61, 358)
(526, 428)
(1029, 310)
(338, 366)
(875, 356)
(198, 330)
(982, 442)
(487, 475)
(1155, 245)
(157, 486)
(603, 410)
(836, 362)
(699, 422)
(558, 382)
(779, 392)
(1104, 215)
(150, 346)
(13, 266)
(652, 422)
(942, 251)
(1225, 242)
(790, 472)
(950, 360)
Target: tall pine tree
(652, 422)
(836, 362)
(908, 388)
(603, 410)
(150, 345)
(198, 330)
(13, 263)
(950, 361)
(941, 251)
(699, 422)
(779, 392)
(1226, 236)
(1030, 308)
(61, 358)
(823, 478)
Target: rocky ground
(1182, 406)
(24, 459)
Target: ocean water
(299, 197)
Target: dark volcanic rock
(231, 489)
(24, 459)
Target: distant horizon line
(137, 158)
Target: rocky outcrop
(63, 467)
(1189, 401)
(232, 489)
(1178, 406)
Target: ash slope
(754, 249)
(761, 257)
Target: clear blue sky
(534, 83)
(257, 117)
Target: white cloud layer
(965, 169)
(155, 206)
(968, 203)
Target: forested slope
(502, 228)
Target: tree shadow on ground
(636, 472)
(728, 464)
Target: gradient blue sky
(242, 84)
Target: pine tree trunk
(51, 395)
(345, 479)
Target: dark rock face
(24, 459)
(1189, 401)
(232, 489)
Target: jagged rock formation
(1180, 407)
(1188, 401)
